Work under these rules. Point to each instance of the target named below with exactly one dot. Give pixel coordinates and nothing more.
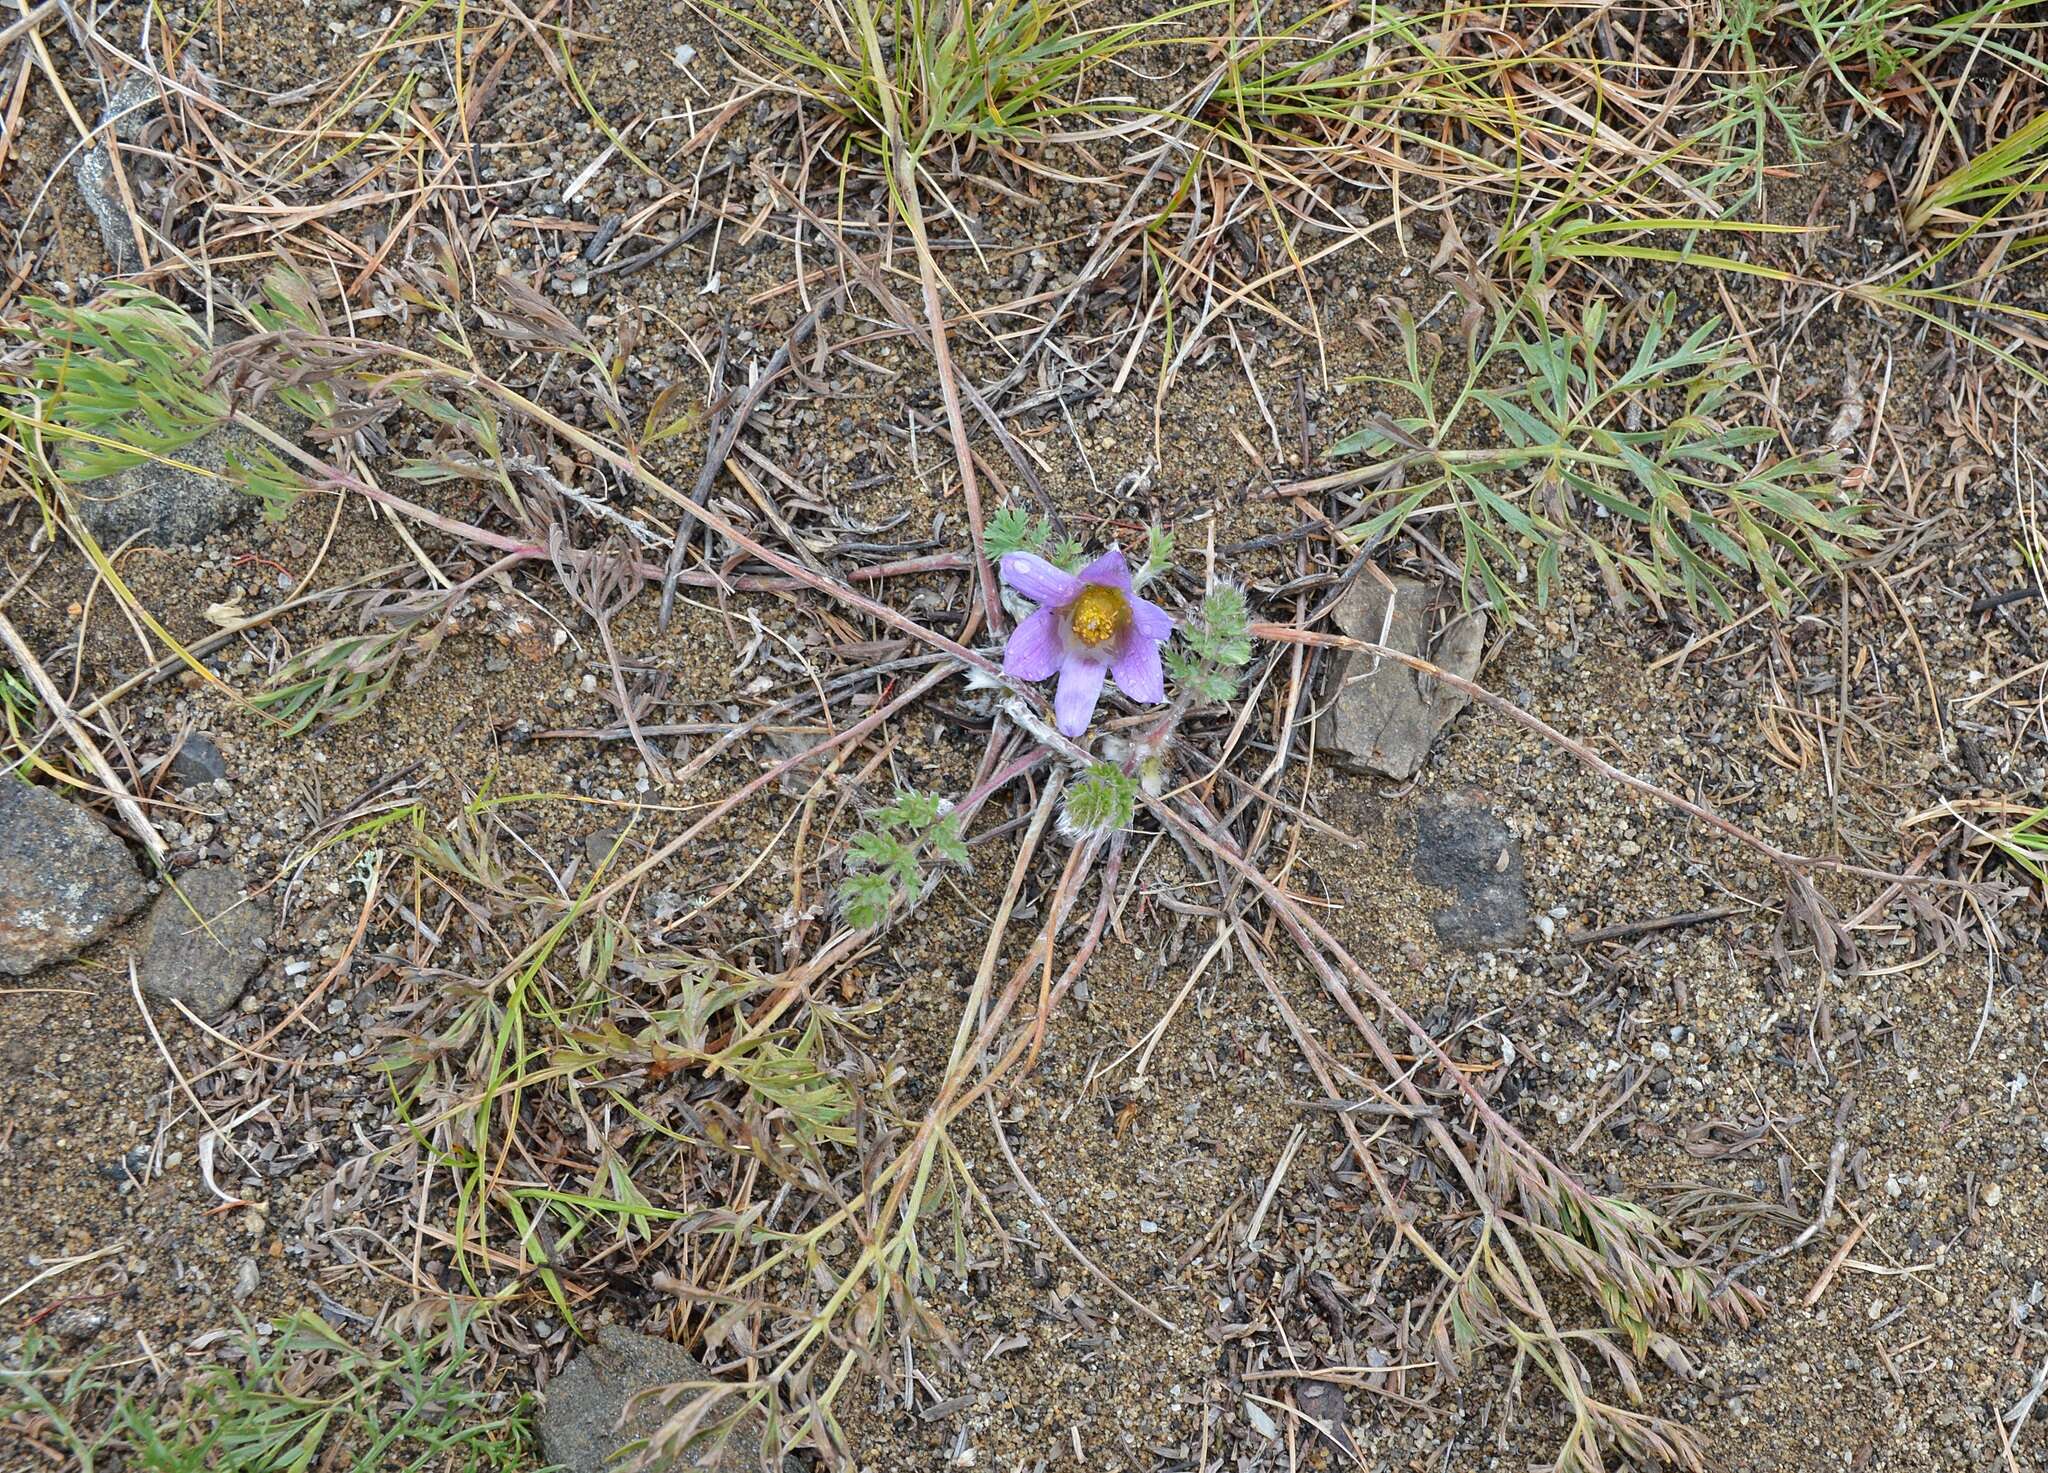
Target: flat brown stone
(1384, 720)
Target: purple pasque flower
(1087, 625)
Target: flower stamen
(1099, 615)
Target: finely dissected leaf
(1158, 555)
(946, 842)
(885, 861)
(1010, 530)
(911, 810)
(1217, 641)
(886, 852)
(1200, 679)
(1225, 626)
(865, 899)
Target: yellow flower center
(1099, 615)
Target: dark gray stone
(1384, 720)
(206, 940)
(196, 761)
(131, 1166)
(580, 1426)
(1462, 848)
(65, 880)
(166, 505)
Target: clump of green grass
(559, 1008)
(2002, 183)
(1862, 50)
(1997, 828)
(20, 708)
(589, 1100)
(301, 1398)
(1861, 44)
(1372, 87)
(944, 73)
(1754, 112)
(2008, 174)
(2025, 843)
(1647, 461)
(1295, 86)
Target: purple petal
(1038, 580)
(1138, 673)
(1035, 648)
(1151, 622)
(1080, 688)
(1110, 568)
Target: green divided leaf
(885, 862)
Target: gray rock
(167, 505)
(206, 940)
(1384, 720)
(197, 760)
(65, 880)
(580, 1426)
(73, 1325)
(1462, 848)
(134, 103)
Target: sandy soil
(1715, 1058)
